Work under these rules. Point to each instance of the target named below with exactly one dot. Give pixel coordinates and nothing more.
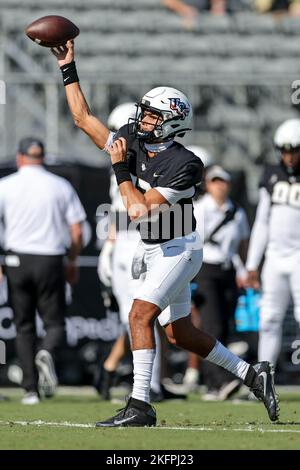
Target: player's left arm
(137, 204)
(244, 231)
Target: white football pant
(280, 283)
(124, 287)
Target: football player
(276, 234)
(114, 269)
(170, 251)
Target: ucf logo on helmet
(177, 105)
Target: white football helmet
(120, 115)
(202, 153)
(287, 136)
(172, 106)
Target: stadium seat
(233, 67)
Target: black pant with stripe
(216, 298)
(36, 283)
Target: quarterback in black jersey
(175, 168)
(170, 252)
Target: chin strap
(159, 147)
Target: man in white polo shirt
(38, 209)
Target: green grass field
(67, 422)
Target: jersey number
(285, 193)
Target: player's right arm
(259, 237)
(79, 108)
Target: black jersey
(283, 187)
(175, 168)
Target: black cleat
(103, 382)
(135, 413)
(165, 394)
(264, 389)
(3, 398)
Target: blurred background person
(225, 231)
(275, 235)
(203, 154)
(115, 273)
(191, 376)
(278, 7)
(37, 208)
(189, 10)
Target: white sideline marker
(157, 428)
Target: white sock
(269, 345)
(155, 379)
(142, 370)
(223, 357)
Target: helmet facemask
(156, 133)
(171, 121)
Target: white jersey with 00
(276, 233)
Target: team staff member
(191, 376)
(170, 248)
(225, 234)
(38, 208)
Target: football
(52, 31)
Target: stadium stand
(126, 47)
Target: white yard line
(158, 428)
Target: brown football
(52, 31)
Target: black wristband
(69, 73)
(122, 172)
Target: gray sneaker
(229, 389)
(264, 389)
(30, 398)
(47, 375)
(211, 395)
